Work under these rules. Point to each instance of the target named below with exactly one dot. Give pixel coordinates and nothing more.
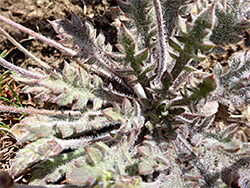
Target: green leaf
(229, 132)
(174, 56)
(142, 55)
(174, 45)
(4, 53)
(127, 40)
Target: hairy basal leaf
(35, 152)
(75, 87)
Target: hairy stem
(39, 36)
(4, 108)
(17, 69)
(25, 51)
(162, 64)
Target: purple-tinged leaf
(197, 139)
(208, 17)
(33, 127)
(164, 163)
(105, 149)
(146, 167)
(100, 39)
(229, 132)
(120, 48)
(116, 55)
(81, 101)
(63, 99)
(97, 103)
(66, 131)
(35, 152)
(206, 122)
(126, 106)
(207, 45)
(72, 32)
(87, 174)
(211, 144)
(232, 147)
(116, 107)
(126, 127)
(144, 151)
(98, 81)
(108, 48)
(69, 72)
(113, 115)
(125, 6)
(81, 176)
(94, 154)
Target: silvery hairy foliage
(142, 112)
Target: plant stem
(25, 51)
(162, 64)
(15, 68)
(39, 36)
(4, 108)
